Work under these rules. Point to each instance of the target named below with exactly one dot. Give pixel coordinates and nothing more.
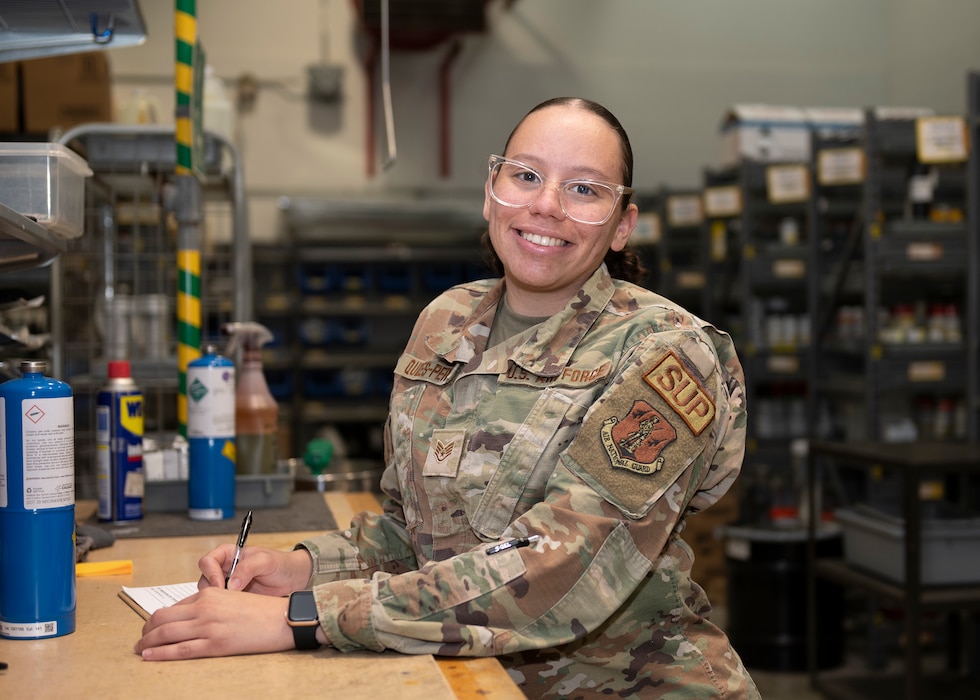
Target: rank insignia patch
(445, 451)
(682, 392)
(635, 441)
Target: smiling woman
(549, 434)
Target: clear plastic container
(45, 182)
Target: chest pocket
(519, 479)
(401, 422)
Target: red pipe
(444, 103)
(370, 64)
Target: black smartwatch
(302, 617)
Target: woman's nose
(548, 202)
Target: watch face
(302, 607)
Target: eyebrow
(586, 172)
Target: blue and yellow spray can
(119, 446)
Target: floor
(784, 686)
(887, 684)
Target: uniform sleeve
(370, 544)
(645, 452)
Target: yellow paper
(104, 568)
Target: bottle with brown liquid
(256, 411)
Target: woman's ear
(486, 200)
(627, 222)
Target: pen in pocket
(509, 544)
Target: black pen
(508, 544)
(242, 536)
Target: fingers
(216, 622)
(213, 566)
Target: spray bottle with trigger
(256, 411)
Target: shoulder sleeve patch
(651, 425)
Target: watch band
(304, 624)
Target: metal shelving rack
(345, 293)
(683, 251)
(756, 258)
(973, 253)
(25, 244)
(893, 255)
(835, 281)
(721, 201)
(113, 291)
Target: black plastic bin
(767, 613)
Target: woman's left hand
(216, 622)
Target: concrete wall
(667, 68)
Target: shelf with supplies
(683, 251)
(896, 293)
(766, 259)
(114, 289)
(892, 281)
(901, 545)
(343, 295)
(24, 243)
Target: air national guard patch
(636, 440)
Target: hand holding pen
(242, 536)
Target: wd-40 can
(119, 446)
(37, 506)
(211, 434)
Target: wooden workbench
(97, 660)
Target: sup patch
(682, 392)
(635, 441)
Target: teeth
(542, 240)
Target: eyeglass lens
(584, 201)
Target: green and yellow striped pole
(187, 209)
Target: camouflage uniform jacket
(599, 430)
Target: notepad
(148, 599)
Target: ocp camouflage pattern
(599, 430)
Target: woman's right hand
(259, 570)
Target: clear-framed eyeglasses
(516, 185)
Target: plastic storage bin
(46, 182)
(251, 491)
(876, 542)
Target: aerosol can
(37, 506)
(119, 445)
(256, 411)
(211, 434)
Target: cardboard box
(835, 121)
(9, 98)
(63, 91)
(774, 134)
(765, 133)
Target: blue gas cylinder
(37, 506)
(211, 436)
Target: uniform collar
(546, 349)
